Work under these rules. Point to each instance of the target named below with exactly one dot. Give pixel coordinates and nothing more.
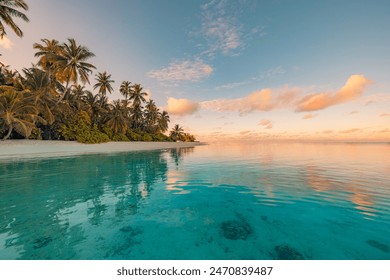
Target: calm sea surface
(221, 201)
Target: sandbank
(20, 149)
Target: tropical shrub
(120, 138)
(82, 132)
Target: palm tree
(71, 64)
(163, 121)
(137, 116)
(97, 107)
(17, 113)
(8, 10)
(117, 117)
(48, 54)
(43, 93)
(103, 83)
(177, 132)
(151, 116)
(125, 89)
(138, 95)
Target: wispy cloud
(181, 107)
(308, 116)
(185, 70)
(354, 112)
(353, 88)
(270, 73)
(261, 100)
(231, 85)
(265, 75)
(220, 28)
(267, 124)
(352, 130)
(384, 115)
(6, 43)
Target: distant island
(49, 101)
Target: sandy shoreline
(17, 149)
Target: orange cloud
(267, 124)
(308, 116)
(353, 88)
(352, 130)
(261, 100)
(327, 131)
(385, 115)
(181, 106)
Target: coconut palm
(117, 117)
(94, 107)
(138, 95)
(48, 54)
(17, 113)
(103, 83)
(8, 11)
(177, 132)
(163, 121)
(125, 89)
(42, 92)
(151, 116)
(71, 65)
(137, 116)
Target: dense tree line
(49, 101)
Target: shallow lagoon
(221, 201)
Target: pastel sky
(241, 69)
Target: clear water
(262, 201)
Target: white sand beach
(15, 149)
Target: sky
(233, 70)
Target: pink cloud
(308, 116)
(267, 124)
(261, 100)
(353, 88)
(181, 106)
(352, 130)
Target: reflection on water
(230, 201)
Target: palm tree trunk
(10, 129)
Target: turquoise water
(221, 201)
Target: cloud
(221, 29)
(245, 132)
(6, 43)
(354, 112)
(186, 70)
(384, 115)
(353, 88)
(308, 116)
(261, 100)
(327, 131)
(267, 124)
(352, 130)
(181, 107)
(270, 73)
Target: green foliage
(147, 137)
(35, 134)
(82, 132)
(108, 132)
(133, 136)
(159, 137)
(120, 138)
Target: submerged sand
(14, 149)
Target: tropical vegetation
(49, 100)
